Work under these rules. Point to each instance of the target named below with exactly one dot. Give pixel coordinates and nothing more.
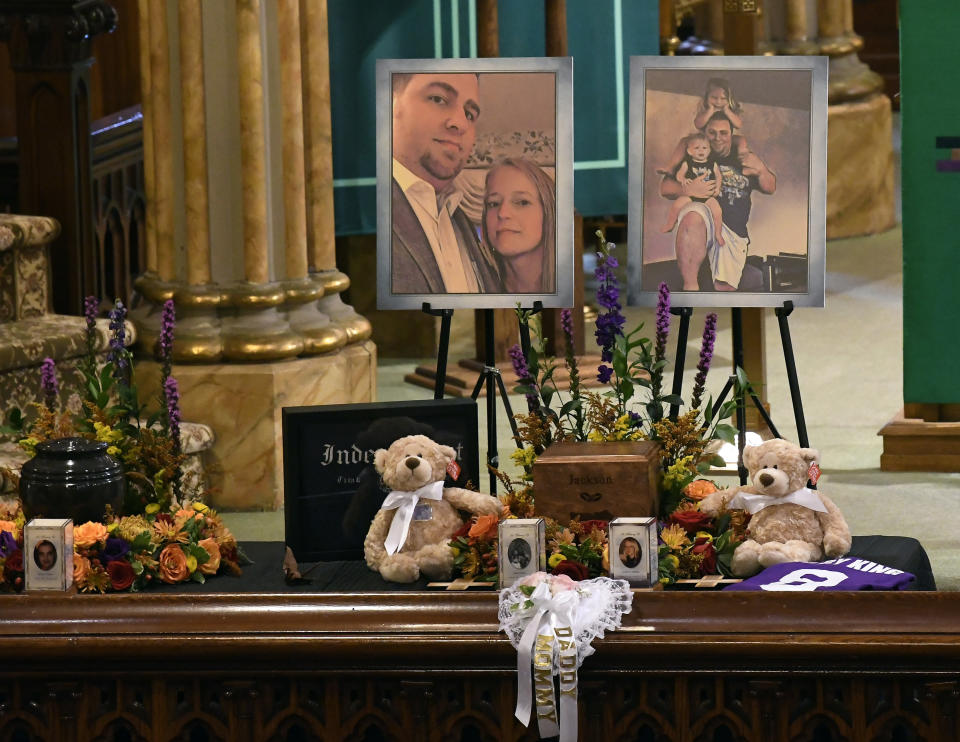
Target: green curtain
(930, 120)
(602, 36)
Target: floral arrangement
(168, 534)
(630, 364)
(130, 553)
(108, 409)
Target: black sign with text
(330, 486)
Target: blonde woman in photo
(519, 225)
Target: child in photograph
(718, 97)
(698, 162)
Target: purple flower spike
(706, 356)
(663, 321)
(566, 323)
(171, 393)
(118, 343)
(604, 374)
(168, 320)
(91, 308)
(48, 383)
(609, 323)
(522, 370)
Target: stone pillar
(860, 147)
(193, 100)
(156, 20)
(796, 33)
(247, 251)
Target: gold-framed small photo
(521, 548)
(633, 550)
(48, 553)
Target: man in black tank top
(695, 242)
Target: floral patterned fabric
(26, 343)
(537, 146)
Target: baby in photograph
(698, 162)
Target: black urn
(71, 478)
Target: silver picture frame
(529, 116)
(521, 550)
(48, 554)
(774, 240)
(632, 550)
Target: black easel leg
(490, 370)
(782, 314)
(441, 379)
(737, 327)
(509, 409)
(685, 313)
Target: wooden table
(433, 666)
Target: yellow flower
(113, 450)
(471, 564)
(674, 537)
(672, 560)
(677, 472)
(112, 527)
(456, 551)
(555, 559)
(192, 563)
(152, 508)
(200, 507)
(107, 434)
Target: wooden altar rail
(118, 217)
(432, 666)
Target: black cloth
(735, 193)
(265, 575)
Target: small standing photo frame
(728, 180)
(48, 553)
(521, 549)
(474, 183)
(633, 550)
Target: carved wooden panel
(621, 707)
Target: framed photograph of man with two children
(728, 175)
(474, 183)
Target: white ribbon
(405, 503)
(549, 629)
(804, 497)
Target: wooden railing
(118, 200)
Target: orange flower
(88, 534)
(485, 527)
(210, 566)
(81, 568)
(699, 488)
(8, 525)
(167, 532)
(173, 564)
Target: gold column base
(248, 322)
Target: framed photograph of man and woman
(474, 183)
(727, 180)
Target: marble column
(796, 34)
(244, 233)
(196, 199)
(162, 205)
(149, 163)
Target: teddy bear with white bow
(409, 535)
(789, 521)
